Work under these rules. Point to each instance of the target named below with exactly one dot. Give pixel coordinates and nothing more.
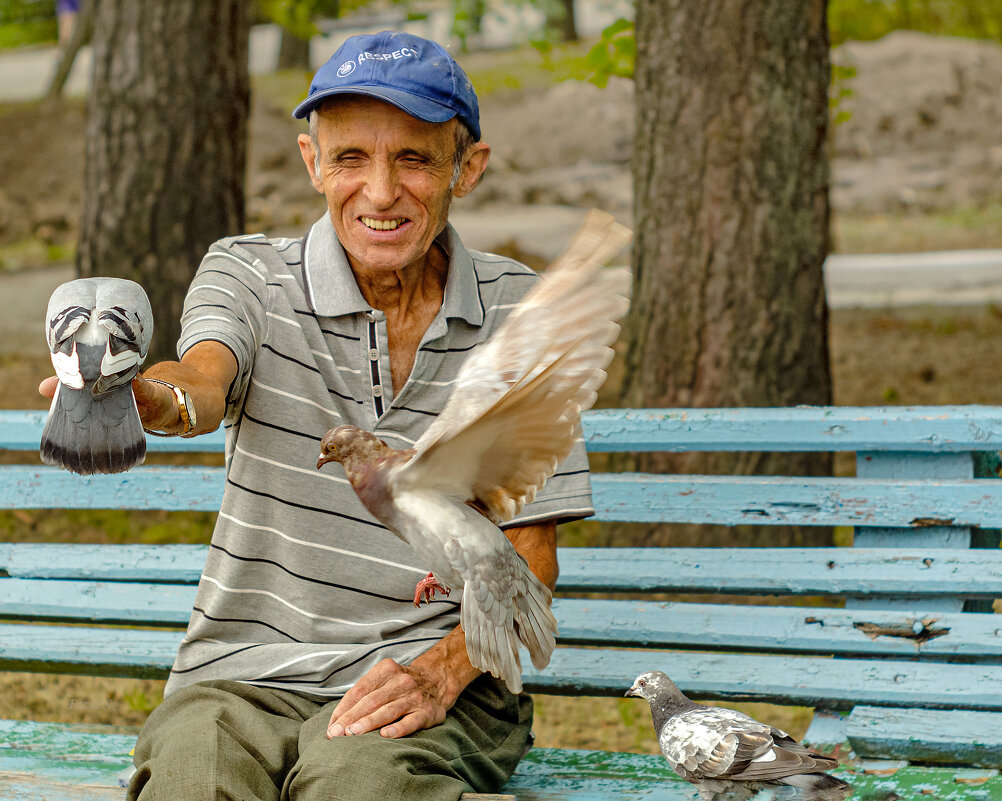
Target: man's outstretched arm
(205, 372)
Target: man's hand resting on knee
(401, 699)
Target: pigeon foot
(427, 587)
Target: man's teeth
(383, 225)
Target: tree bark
(732, 227)
(293, 52)
(166, 145)
(561, 22)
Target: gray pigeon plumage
(730, 756)
(98, 331)
(512, 417)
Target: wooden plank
(927, 735)
(144, 563)
(93, 601)
(818, 428)
(779, 629)
(727, 500)
(806, 681)
(795, 571)
(814, 428)
(781, 500)
(65, 770)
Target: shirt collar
(331, 289)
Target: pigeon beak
(633, 692)
(324, 459)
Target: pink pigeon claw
(512, 417)
(427, 587)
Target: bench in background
(904, 657)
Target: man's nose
(382, 187)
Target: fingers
(47, 388)
(390, 698)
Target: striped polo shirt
(303, 590)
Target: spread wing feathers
(513, 412)
(714, 743)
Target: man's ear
(473, 169)
(309, 157)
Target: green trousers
(228, 740)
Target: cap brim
(420, 107)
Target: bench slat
(927, 429)
(808, 681)
(927, 735)
(929, 572)
(727, 500)
(779, 629)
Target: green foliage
(871, 19)
(614, 54)
(19, 34)
(839, 90)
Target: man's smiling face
(386, 176)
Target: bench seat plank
(807, 681)
(928, 572)
(639, 497)
(80, 763)
(803, 428)
(927, 735)
(587, 622)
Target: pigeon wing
(513, 412)
(783, 756)
(124, 312)
(711, 742)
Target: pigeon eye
(642, 683)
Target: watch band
(185, 408)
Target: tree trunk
(561, 22)
(81, 30)
(293, 52)
(731, 209)
(166, 145)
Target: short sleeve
(226, 303)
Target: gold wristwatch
(185, 408)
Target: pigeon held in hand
(512, 417)
(98, 331)
(729, 755)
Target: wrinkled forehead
(347, 119)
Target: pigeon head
(352, 447)
(653, 684)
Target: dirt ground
(921, 139)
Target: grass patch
(35, 252)
(908, 232)
(30, 32)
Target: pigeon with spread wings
(512, 417)
(98, 331)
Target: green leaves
(614, 54)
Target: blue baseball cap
(414, 74)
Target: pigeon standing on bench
(99, 331)
(512, 417)
(729, 755)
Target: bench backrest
(892, 608)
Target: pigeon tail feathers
(87, 434)
(493, 646)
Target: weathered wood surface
(650, 624)
(927, 735)
(812, 428)
(638, 497)
(925, 572)
(809, 680)
(61, 769)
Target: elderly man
(306, 671)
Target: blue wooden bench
(903, 657)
